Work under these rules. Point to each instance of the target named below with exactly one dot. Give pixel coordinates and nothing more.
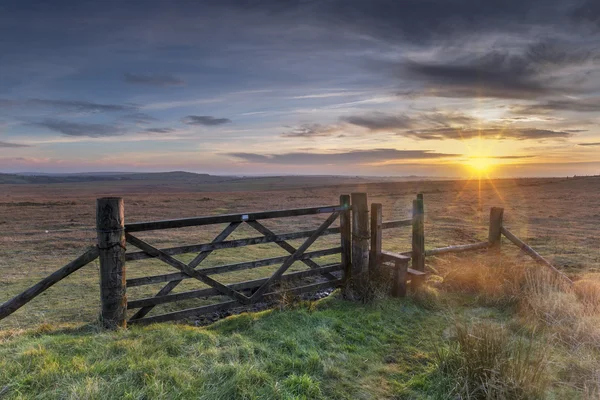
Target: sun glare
(480, 164)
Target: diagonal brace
(294, 257)
(154, 252)
(287, 247)
(142, 312)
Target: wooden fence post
(418, 234)
(110, 225)
(376, 237)
(418, 237)
(399, 283)
(360, 235)
(495, 233)
(346, 238)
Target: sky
(249, 87)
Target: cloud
(12, 145)
(159, 130)
(69, 105)
(76, 129)
(583, 105)
(310, 131)
(153, 80)
(539, 68)
(494, 75)
(446, 119)
(486, 133)
(205, 120)
(348, 157)
(139, 118)
(588, 12)
(589, 144)
(378, 121)
(512, 157)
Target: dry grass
(485, 362)
(565, 316)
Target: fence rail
(228, 218)
(360, 251)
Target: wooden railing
(240, 293)
(357, 255)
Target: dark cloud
(589, 144)
(577, 105)
(68, 128)
(495, 75)
(588, 12)
(513, 157)
(153, 80)
(349, 157)
(12, 145)
(420, 21)
(205, 120)
(310, 131)
(69, 105)
(159, 130)
(446, 119)
(487, 133)
(378, 121)
(139, 118)
(527, 72)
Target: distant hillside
(111, 176)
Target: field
(43, 226)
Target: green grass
(330, 349)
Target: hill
(113, 176)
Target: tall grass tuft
(483, 362)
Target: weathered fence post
(495, 233)
(346, 238)
(399, 283)
(110, 225)
(376, 238)
(418, 238)
(360, 237)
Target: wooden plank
(193, 264)
(388, 256)
(193, 294)
(286, 246)
(396, 224)
(25, 297)
(414, 272)
(218, 219)
(294, 257)
(534, 254)
(230, 244)
(186, 269)
(147, 280)
(192, 312)
(457, 249)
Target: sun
(480, 164)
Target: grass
(544, 344)
(330, 349)
(483, 328)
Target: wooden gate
(240, 293)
